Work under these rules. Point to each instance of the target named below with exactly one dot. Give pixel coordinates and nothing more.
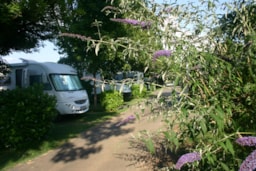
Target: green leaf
(223, 146)
(150, 146)
(203, 126)
(230, 147)
(172, 138)
(224, 166)
(97, 48)
(218, 117)
(159, 93)
(176, 81)
(209, 157)
(141, 88)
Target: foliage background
(212, 61)
(111, 100)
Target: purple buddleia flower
(159, 53)
(187, 158)
(126, 120)
(246, 141)
(143, 24)
(127, 21)
(78, 36)
(249, 164)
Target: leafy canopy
(24, 23)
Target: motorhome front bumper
(74, 107)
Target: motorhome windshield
(66, 82)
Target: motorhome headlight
(72, 107)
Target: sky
(48, 53)
(44, 54)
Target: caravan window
(66, 82)
(37, 79)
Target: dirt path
(106, 147)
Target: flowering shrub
(187, 158)
(142, 24)
(159, 53)
(246, 141)
(126, 120)
(249, 164)
(213, 63)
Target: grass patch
(65, 128)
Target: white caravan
(118, 83)
(58, 79)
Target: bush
(111, 100)
(138, 91)
(26, 115)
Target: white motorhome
(58, 79)
(118, 83)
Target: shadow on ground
(105, 131)
(141, 157)
(88, 141)
(68, 152)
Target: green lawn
(63, 129)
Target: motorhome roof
(58, 68)
(50, 67)
(16, 65)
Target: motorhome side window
(66, 82)
(37, 79)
